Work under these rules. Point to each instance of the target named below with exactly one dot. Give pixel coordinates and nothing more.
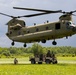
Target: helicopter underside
(40, 36)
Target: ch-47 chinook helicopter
(19, 32)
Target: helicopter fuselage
(42, 32)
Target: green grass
(11, 60)
(26, 60)
(35, 69)
(67, 58)
(44, 69)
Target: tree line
(37, 49)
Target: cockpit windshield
(70, 24)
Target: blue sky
(6, 6)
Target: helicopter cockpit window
(22, 24)
(57, 26)
(69, 24)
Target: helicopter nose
(74, 29)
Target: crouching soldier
(15, 61)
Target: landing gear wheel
(25, 45)
(12, 43)
(43, 41)
(33, 62)
(48, 61)
(54, 43)
(39, 62)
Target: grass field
(67, 58)
(44, 69)
(26, 60)
(37, 69)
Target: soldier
(41, 57)
(15, 61)
(53, 55)
(48, 54)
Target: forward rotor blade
(73, 14)
(40, 10)
(73, 11)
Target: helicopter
(19, 32)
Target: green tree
(37, 49)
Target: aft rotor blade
(40, 10)
(32, 15)
(9, 15)
(6, 15)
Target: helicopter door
(57, 26)
(57, 29)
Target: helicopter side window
(24, 23)
(57, 26)
(47, 28)
(28, 31)
(37, 29)
(10, 32)
(19, 33)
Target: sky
(6, 6)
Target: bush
(6, 54)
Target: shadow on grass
(65, 64)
